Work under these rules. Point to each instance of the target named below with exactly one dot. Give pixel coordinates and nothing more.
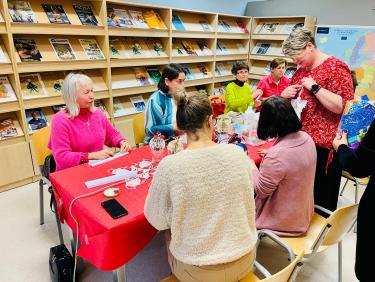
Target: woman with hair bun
(210, 224)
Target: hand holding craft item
(157, 145)
(175, 146)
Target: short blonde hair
(71, 85)
(297, 41)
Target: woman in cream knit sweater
(203, 196)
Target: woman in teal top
(238, 96)
(160, 109)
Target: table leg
(119, 275)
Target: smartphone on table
(114, 208)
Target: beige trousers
(226, 272)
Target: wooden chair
(286, 274)
(139, 128)
(357, 182)
(322, 233)
(39, 141)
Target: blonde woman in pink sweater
(284, 183)
(79, 133)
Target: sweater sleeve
(158, 202)
(267, 180)
(112, 136)
(230, 99)
(152, 128)
(60, 143)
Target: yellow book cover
(32, 86)
(53, 82)
(153, 20)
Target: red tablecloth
(105, 242)
(253, 151)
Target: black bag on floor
(61, 264)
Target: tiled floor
(25, 244)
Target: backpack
(48, 166)
(61, 264)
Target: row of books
(137, 102)
(200, 48)
(262, 48)
(129, 47)
(118, 17)
(277, 27)
(32, 86)
(289, 71)
(28, 51)
(229, 47)
(21, 11)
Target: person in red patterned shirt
(326, 84)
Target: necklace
(87, 121)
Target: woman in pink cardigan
(284, 184)
(80, 131)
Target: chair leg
(58, 223)
(343, 188)
(340, 260)
(41, 204)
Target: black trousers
(327, 184)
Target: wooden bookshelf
(109, 72)
(267, 36)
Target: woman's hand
(291, 91)
(100, 155)
(340, 140)
(308, 82)
(257, 94)
(257, 103)
(124, 146)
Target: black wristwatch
(315, 89)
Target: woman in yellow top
(238, 96)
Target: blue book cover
(178, 23)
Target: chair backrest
(139, 128)
(340, 222)
(40, 144)
(285, 274)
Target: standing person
(80, 131)
(326, 83)
(360, 163)
(211, 223)
(284, 184)
(238, 93)
(272, 84)
(160, 110)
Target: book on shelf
(262, 49)
(63, 49)
(117, 48)
(85, 14)
(138, 103)
(6, 90)
(21, 11)
(99, 104)
(267, 69)
(141, 75)
(242, 26)
(253, 83)
(56, 13)
(3, 56)
(189, 75)
(138, 19)
(202, 90)
(154, 74)
(112, 19)
(189, 48)
(7, 129)
(205, 26)
(289, 27)
(27, 50)
(58, 108)
(267, 28)
(223, 26)
(289, 72)
(153, 20)
(203, 71)
(92, 49)
(219, 89)
(221, 49)
(35, 119)
(1, 18)
(124, 78)
(53, 82)
(178, 49)
(240, 48)
(32, 86)
(123, 18)
(203, 49)
(221, 69)
(177, 23)
(156, 47)
(120, 110)
(136, 47)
